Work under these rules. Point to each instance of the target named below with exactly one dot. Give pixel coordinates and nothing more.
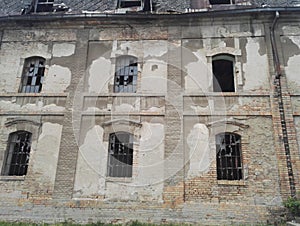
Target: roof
(14, 7)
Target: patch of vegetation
(293, 206)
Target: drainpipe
(277, 83)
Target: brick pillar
(174, 153)
(67, 159)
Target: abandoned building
(151, 110)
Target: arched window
(229, 159)
(17, 155)
(33, 75)
(126, 74)
(120, 154)
(223, 73)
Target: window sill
(232, 182)
(12, 178)
(119, 179)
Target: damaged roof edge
(48, 17)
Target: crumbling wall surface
(260, 177)
(173, 116)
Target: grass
(135, 223)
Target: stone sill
(12, 178)
(119, 179)
(232, 182)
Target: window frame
(119, 4)
(217, 85)
(123, 67)
(238, 158)
(37, 75)
(116, 168)
(11, 151)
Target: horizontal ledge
(12, 178)
(232, 182)
(33, 95)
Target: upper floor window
(229, 159)
(120, 154)
(218, 2)
(223, 73)
(129, 3)
(33, 75)
(126, 74)
(17, 155)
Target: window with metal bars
(33, 75)
(120, 154)
(229, 159)
(126, 74)
(17, 155)
(223, 73)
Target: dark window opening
(44, 6)
(218, 2)
(17, 156)
(126, 75)
(223, 74)
(33, 75)
(120, 154)
(229, 159)
(129, 3)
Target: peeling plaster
(155, 48)
(99, 75)
(13, 55)
(9, 106)
(198, 75)
(63, 49)
(45, 157)
(157, 76)
(200, 157)
(91, 164)
(256, 68)
(57, 80)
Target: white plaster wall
(199, 153)
(100, 75)
(57, 79)
(292, 68)
(12, 56)
(91, 165)
(199, 76)
(147, 181)
(256, 69)
(63, 49)
(154, 76)
(44, 159)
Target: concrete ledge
(292, 224)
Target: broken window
(17, 156)
(219, 2)
(120, 154)
(33, 75)
(129, 3)
(126, 74)
(223, 73)
(229, 159)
